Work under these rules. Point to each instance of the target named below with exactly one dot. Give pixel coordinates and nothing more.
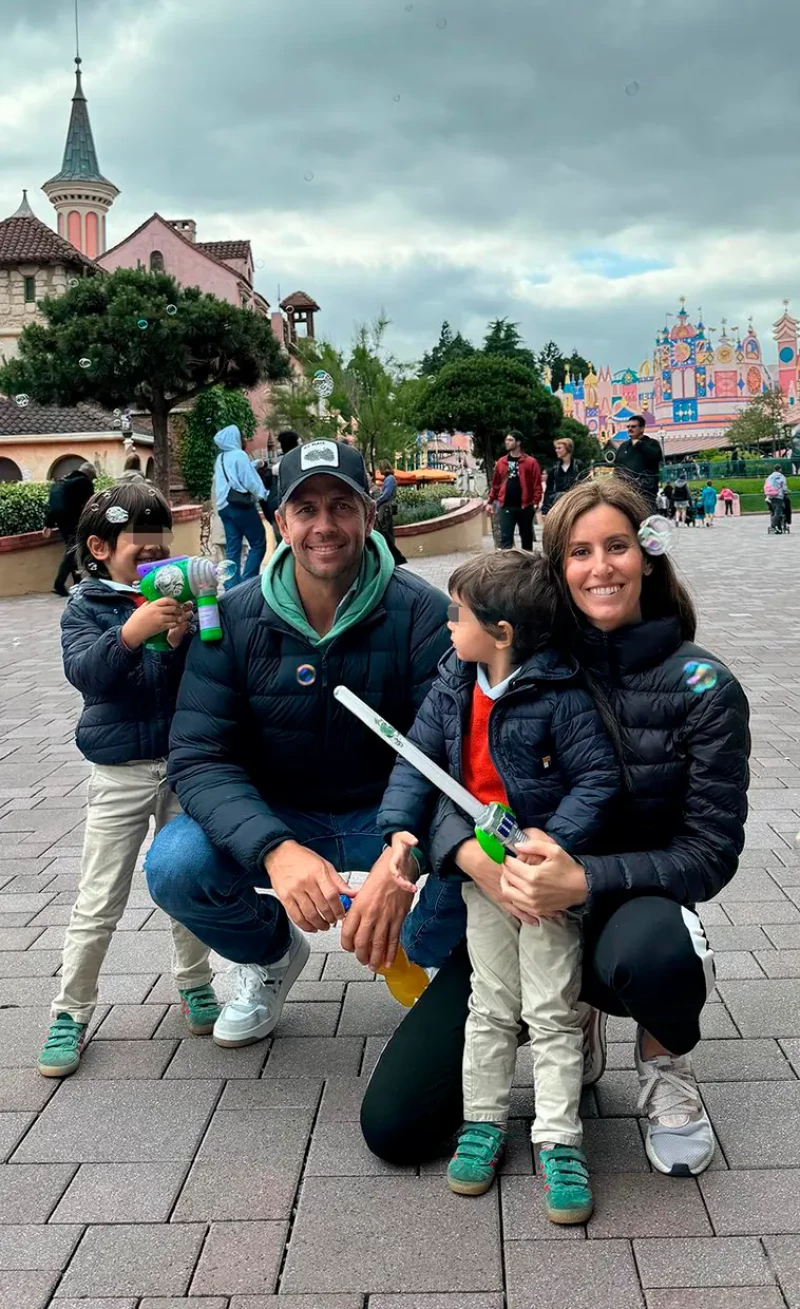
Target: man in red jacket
(516, 493)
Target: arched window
(156, 262)
(64, 465)
(91, 235)
(9, 472)
(74, 229)
(149, 471)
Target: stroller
(777, 515)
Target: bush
(418, 495)
(419, 511)
(23, 506)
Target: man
(65, 506)
(287, 440)
(776, 493)
(516, 493)
(279, 783)
(639, 459)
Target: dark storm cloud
(512, 148)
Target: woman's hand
(547, 888)
(486, 874)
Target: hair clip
(92, 566)
(656, 535)
(116, 514)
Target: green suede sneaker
(567, 1193)
(200, 1009)
(61, 1052)
(480, 1148)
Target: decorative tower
(785, 334)
(80, 194)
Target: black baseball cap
(334, 458)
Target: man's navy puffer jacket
(128, 695)
(251, 732)
(548, 744)
(677, 828)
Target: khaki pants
(122, 800)
(523, 974)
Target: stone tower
(80, 194)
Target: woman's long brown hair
(663, 594)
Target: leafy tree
(448, 350)
(504, 340)
(761, 423)
(138, 338)
(551, 356)
(488, 395)
(197, 453)
(587, 447)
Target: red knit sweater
(481, 778)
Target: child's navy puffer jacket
(558, 766)
(128, 695)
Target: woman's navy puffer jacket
(128, 695)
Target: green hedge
(417, 513)
(22, 507)
(417, 495)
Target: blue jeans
(436, 924)
(195, 883)
(243, 523)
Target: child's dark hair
(145, 508)
(512, 586)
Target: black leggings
(650, 962)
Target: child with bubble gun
(129, 695)
(185, 578)
(509, 717)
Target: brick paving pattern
(168, 1171)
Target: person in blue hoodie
(237, 491)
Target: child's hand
(176, 634)
(402, 864)
(149, 620)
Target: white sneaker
(594, 1024)
(679, 1140)
(260, 992)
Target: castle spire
(80, 194)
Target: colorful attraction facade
(693, 387)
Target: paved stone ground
(167, 1168)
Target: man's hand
(307, 886)
(371, 929)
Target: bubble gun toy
(183, 578)
(405, 980)
(495, 826)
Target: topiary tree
(138, 338)
(212, 410)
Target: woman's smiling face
(604, 569)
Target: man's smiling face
(325, 524)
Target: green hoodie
(279, 588)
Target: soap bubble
(700, 677)
(172, 310)
(117, 413)
(22, 401)
(632, 88)
(259, 263)
(116, 514)
(442, 24)
(73, 281)
(226, 570)
(168, 580)
(306, 674)
(118, 422)
(657, 535)
(397, 99)
(84, 363)
(142, 324)
(309, 177)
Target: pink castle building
(693, 387)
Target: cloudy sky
(574, 167)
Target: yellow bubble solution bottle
(405, 980)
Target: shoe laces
(64, 1032)
(669, 1091)
(249, 981)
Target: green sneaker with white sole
(61, 1052)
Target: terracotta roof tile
(299, 300)
(225, 249)
(29, 240)
(41, 420)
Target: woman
(386, 502)
(682, 500)
(132, 469)
(674, 840)
(563, 475)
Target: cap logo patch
(319, 454)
